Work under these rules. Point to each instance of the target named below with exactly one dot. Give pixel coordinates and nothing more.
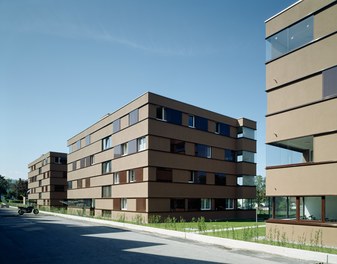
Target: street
(51, 239)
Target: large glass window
(330, 82)
(245, 156)
(177, 204)
(161, 113)
(203, 151)
(290, 38)
(285, 207)
(201, 123)
(133, 117)
(230, 203)
(245, 204)
(292, 151)
(246, 180)
(311, 208)
(246, 132)
(106, 143)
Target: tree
(3, 186)
(20, 188)
(260, 182)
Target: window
(160, 113)
(82, 163)
(220, 179)
(87, 182)
(191, 121)
(117, 151)
(330, 82)
(245, 204)
(290, 38)
(194, 204)
(124, 149)
(164, 175)
(141, 143)
(87, 140)
(222, 129)
(203, 151)
(106, 143)
(58, 188)
(132, 146)
(106, 167)
(78, 144)
(245, 180)
(91, 160)
(177, 204)
(229, 203)
(79, 183)
(201, 123)
(116, 178)
(58, 160)
(205, 204)
(229, 155)
(106, 191)
(124, 204)
(198, 177)
(177, 146)
(173, 116)
(131, 175)
(74, 165)
(133, 117)
(116, 125)
(246, 132)
(245, 156)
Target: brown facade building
(160, 157)
(47, 180)
(301, 84)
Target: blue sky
(66, 63)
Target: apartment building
(160, 157)
(301, 136)
(47, 180)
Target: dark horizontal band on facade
(299, 165)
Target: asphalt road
(50, 239)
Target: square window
(106, 191)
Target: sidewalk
(224, 242)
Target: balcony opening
(292, 151)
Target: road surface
(51, 239)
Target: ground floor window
(124, 204)
(206, 204)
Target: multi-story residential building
(158, 156)
(47, 180)
(301, 136)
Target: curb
(224, 242)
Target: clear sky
(66, 63)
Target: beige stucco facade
(47, 180)
(159, 156)
(301, 121)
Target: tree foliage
(260, 182)
(13, 189)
